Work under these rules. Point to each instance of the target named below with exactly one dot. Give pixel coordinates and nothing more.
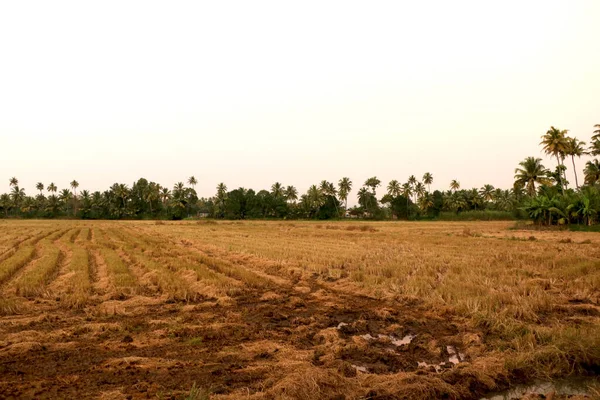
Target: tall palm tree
(373, 183)
(412, 180)
(13, 181)
(419, 190)
(554, 143)
(40, 186)
(454, 185)
(345, 187)
(592, 172)
(74, 185)
(315, 198)
(52, 188)
(487, 192)
(428, 180)
(290, 193)
(596, 132)
(328, 188)
(363, 196)
(179, 186)
(277, 190)
(192, 181)
(65, 196)
(531, 172)
(17, 195)
(407, 192)
(575, 148)
(165, 195)
(394, 188)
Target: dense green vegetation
(538, 193)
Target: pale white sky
(250, 93)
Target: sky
(250, 93)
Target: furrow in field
(73, 285)
(121, 281)
(173, 275)
(13, 246)
(34, 278)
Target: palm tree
(5, 203)
(554, 143)
(315, 198)
(290, 193)
(428, 180)
(152, 194)
(52, 188)
(13, 181)
(277, 190)
(373, 183)
(179, 186)
(487, 192)
(532, 171)
(40, 186)
(65, 196)
(394, 188)
(407, 192)
(192, 182)
(454, 185)
(575, 149)
(596, 132)
(592, 172)
(74, 186)
(328, 188)
(345, 186)
(412, 180)
(419, 190)
(17, 195)
(363, 196)
(165, 195)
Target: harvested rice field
(297, 310)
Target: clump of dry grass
(311, 383)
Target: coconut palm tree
(454, 185)
(290, 193)
(192, 182)
(373, 183)
(277, 190)
(65, 197)
(554, 143)
(596, 132)
(487, 192)
(52, 188)
(17, 195)
(412, 180)
(419, 190)
(40, 186)
(592, 172)
(394, 188)
(407, 192)
(74, 185)
(575, 148)
(364, 197)
(165, 195)
(5, 203)
(532, 172)
(345, 186)
(13, 182)
(315, 198)
(428, 180)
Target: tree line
(538, 193)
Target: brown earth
(288, 334)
